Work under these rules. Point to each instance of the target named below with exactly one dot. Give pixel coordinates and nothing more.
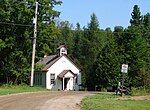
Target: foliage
(136, 16)
(103, 101)
(107, 58)
(66, 36)
(140, 91)
(92, 43)
(100, 53)
(15, 40)
(39, 67)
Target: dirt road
(42, 101)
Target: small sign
(124, 68)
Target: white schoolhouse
(59, 72)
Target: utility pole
(34, 44)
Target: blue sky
(110, 13)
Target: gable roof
(46, 59)
(50, 60)
(51, 63)
(63, 73)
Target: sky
(110, 13)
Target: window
(63, 50)
(52, 78)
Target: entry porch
(67, 78)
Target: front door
(66, 83)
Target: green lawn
(4, 90)
(103, 101)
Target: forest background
(99, 52)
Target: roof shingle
(62, 74)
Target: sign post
(124, 70)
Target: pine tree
(136, 16)
(107, 65)
(77, 42)
(146, 23)
(92, 44)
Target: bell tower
(62, 50)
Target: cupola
(62, 50)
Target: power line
(16, 24)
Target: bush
(140, 91)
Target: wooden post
(122, 89)
(63, 83)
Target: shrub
(140, 91)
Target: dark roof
(61, 47)
(62, 74)
(48, 61)
(51, 63)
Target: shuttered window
(52, 78)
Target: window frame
(52, 78)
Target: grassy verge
(140, 91)
(103, 101)
(7, 89)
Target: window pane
(52, 78)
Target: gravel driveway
(43, 101)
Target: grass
(103, 101)
(140, 91)
(11, 89)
